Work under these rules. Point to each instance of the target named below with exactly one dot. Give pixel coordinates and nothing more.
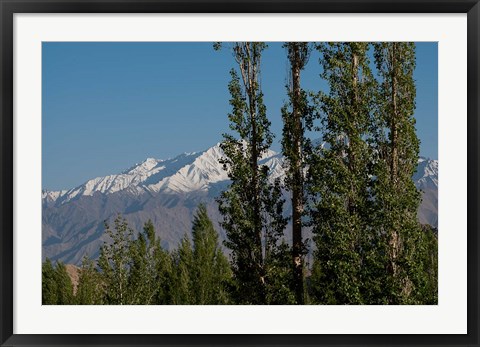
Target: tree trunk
(393, 121)
(249, 71)
(297, 186)
(351, 136)
(394, 237)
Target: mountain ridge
(167, 192)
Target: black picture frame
(10, 7)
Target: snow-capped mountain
(167, 192)
(426, 180)
(185, 173)
(148, 175)
(427, 173)
(203, 171)
(51, 196)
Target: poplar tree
(90, 285)
(397, 199)
(182, 258)
(296, 116)
(339, 174)
(49, 283)
(211, 270)
(165, 276)
(252, 207)
(64, 285)
(115, 261)
(427, 287)
(145, 273)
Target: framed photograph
(163, 183)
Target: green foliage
(211, 270)
(64, 285)
(183, 263)
(57, 287)
(49, 284)
(252, 207)
(115, 261)
(280, 290)
(201, 271)
(297, 118)
(427, 285)
(90, 288)
(148, 266)
(138, 271)
(408, 246)
(370, 246)
(165, 276)
(339, 174)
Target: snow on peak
(52, 196)
(195, 171)
(426, 175)
(184, 173)
(275, 164)
(197, 175)
(117, 182)
(143, 167)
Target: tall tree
(427, 285)
(49, 284)
(182, 258)
(90, 285)
(339, 174)
(211, 270)
(145, 273)
(115, 261)
(64, 285)
(165, 275)
(252, 206)
(397, 199)
(296, 116)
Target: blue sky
(107, 106)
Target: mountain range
(167, 192)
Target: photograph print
(239, 173)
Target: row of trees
(354, 188)
(136, 270)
